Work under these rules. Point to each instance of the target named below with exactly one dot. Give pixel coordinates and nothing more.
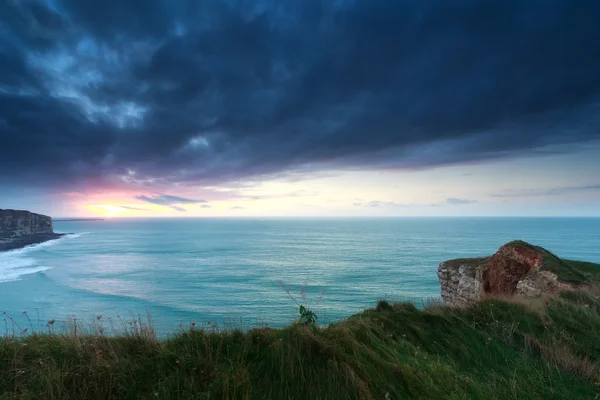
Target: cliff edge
(517, 268)
(19, 228)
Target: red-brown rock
(503, 271)
(516, 268)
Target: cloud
(459, 202)
(133, 208)
(548, 192)
(296, 193)
(205, 206)
(167, 200)
(159, 94)
(238, 208)
(377, 204)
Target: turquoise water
(229, 270)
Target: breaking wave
(17, 263)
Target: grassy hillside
(591, 271)
(565, 270)
(546, 348)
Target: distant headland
(20, 228)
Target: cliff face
(18, 223)
(514, 269)
(460, 280)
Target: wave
(37, 246)
(15, 275)
(15, 263)
(73, 235)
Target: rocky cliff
(516, 268)
(17, 223)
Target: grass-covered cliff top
(572, 271)
(546, 348)
(565, 270)
(470, 263)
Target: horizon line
(319, 217)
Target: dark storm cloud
(150, 93)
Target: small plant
(383, 305)
(307, 316)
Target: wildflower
(597, 384)
(586, 305)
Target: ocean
(234, 272)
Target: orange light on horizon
(109, 210)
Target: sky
(184, 108)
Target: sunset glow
(300, 109)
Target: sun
(107, 210)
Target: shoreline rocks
(23, 241)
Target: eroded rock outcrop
(516, 268)
(460, 280)
(502, 272)
(17, 223)
(19, 228)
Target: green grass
(546, 348)
(471, 264)
(566, 270)
(590, 270)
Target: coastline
(24, 241)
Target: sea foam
(16, 263)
